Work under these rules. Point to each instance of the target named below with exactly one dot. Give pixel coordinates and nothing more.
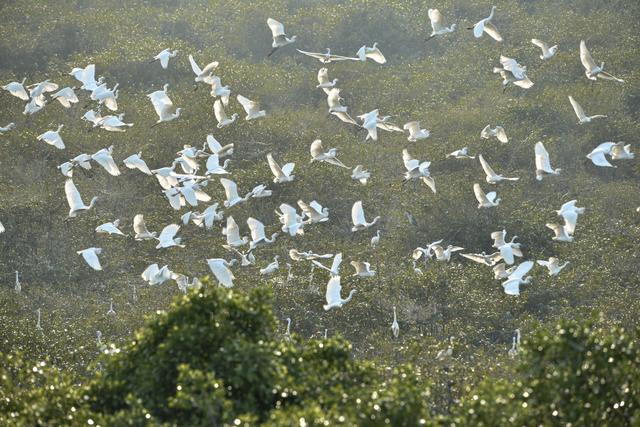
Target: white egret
(33, 107)
(17, 286)
(168, 237)
(38, 324)
(271, 268)
(543, 165)
(319, 155)
(359, 173)
(370, 123)
(76, 205)
(92, 117)
(287, 333)
(82, 160)
(258, 236)
(86, 76)
(395, 328)
(213, 165)
(296, 255)
(221, 115)
(90, 255)
(323, 80)
(135, 161)
(594, 71)
(569, 211)
(335, 264)
(111, 311)
(492, 177)
(163, 106)
(216, 148)
(164, 56)
(105, 96)
(509, 78)
(103, 158)
(37, 90)
(358, 219)
(281, 174)
(547, 51)
(280, 38)
(52, 137)
(231, 193)
(621, 151)
(362, 269)
(66, 97)
(154, 275)
(500, 271)
(486, 25)
(508, 250)
(488, 200)
(17, 89)
(553, 265)
(437, 25)
(326, 58)
(246, 258)
(110, 228)
(112, 123)
(334, 101)
(513, 351)
(511, 286)
(334, 300)
(232, 233)
(582, 116)
(217, 89)
(462, 153)
(140, 228)
(375, 240)
(372, 53)
(314, 212)
(446, 354)
(203, 74)
(252, 108)
(220, 269)
(561, 234)
(7, 128)
(292, 223)
(260, 191)
(415, 132)
(497, 132)
(598, 154)
(482, 258)
(417, 170)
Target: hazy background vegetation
(446, 83)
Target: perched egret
(395, 328)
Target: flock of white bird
(185, 188)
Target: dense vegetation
(445, 83)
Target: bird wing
(277, 29)
(335, 265)
(598, 155)
(317, 206)
(524, 83)
(491, 196)
(257, 229)
(275, 167)
(485, 166)
(169, 232)
(247, 104)
(230, 188)
(344, 116)
(521, 270)
(501, 134)
(91, 257)
(232, 231)
(486, 132)
(511, 287)
(542, 158)
(194, 66)
(212, 143)
(73, 195)
(312, 54)
(139, 226)
(585, 57)
(412, 127)
(480, 196)
(357, 213)
(104, 159)
(221, 271)
(150, 272)
(219, 112)
(436, 19)
(490, 29)
(333, 290)
(323, 75)
(577, 108)
(316, 148)
(377, 56)
(287, 169)
(542, 45)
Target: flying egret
(543, 165)
(296, 255)
(218, 90)
(547, 51)
(334, 300)
(500, 271)
(66, 96)
(569, 211)
(164, 57)
(319, 155)
(104, 159)
(220, 269)
(334, 101)
(168, 237)
(140, 228)
(110, 228)
(488, 200)
(154, 275)
(372, 53)
(517, 277)
(76, 205)
(362, 269)
(86, 76)
(326, 58)
(213, 166)
(17, 89)
(252, 108)
(259, 191)
(33, 107)
(492, 177)
(163, 106)
(7, 128)
(292, 223)
(90, 255)
(561, 234)
(135, 161)
(462, 153)
(598, 154)
(553, 265)
(314, 212)
(486, 25)
(417, 170)
(508, 250)
(231, 193)
(497, 132)
(335, 264)
(216, 148)
(258, 236)
(203, 74)
(280, 38)
(323, 80)
(105, 96)
(271, 268)
(395, 328)
(52, 137)
(358, 219)
(246, 258)
(370, 123)
(437, 25)
(359, 173)
(594, 71)
(512, 73)
(415, 132)
(582, 116)
(37, 90)
(112, 123)
(232, 233)
(281, 174)
(221, 115)
(482, 258)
